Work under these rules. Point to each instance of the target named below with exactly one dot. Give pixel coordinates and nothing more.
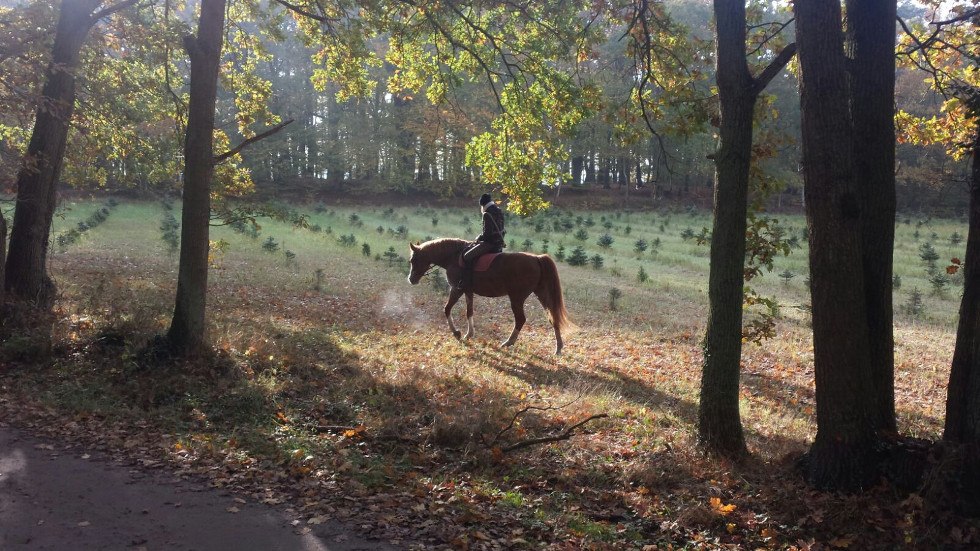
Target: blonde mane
(439, 250)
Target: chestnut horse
(516, 275)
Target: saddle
(483, 263)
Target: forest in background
(405, 143)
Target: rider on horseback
(490, 241)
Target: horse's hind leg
(469, 316)
(517, 305)
(454, 295)
(545, 299)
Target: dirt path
(51, 498)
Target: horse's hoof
(558, 351)
(458, 335)
(467, 337)
(507, 343)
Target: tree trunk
(719, 423)
(843, 454)
(963, 396)
(3, 250)
(577, 163)
(871, 45)
(187, 329)
(26, 277)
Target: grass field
(349, 380)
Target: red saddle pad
(483, 263)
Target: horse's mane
(443, 246)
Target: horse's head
(419, 262)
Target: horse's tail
(550, 295)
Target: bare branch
(237, 149)
(962, 17)
(568, 433)
(774, 68)
(109, 10)
(774, 34)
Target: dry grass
(361, 389)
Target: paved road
(54, 499)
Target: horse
(516, 275)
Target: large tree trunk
(963, 396)
(843, 454)
(719, 422)
(871, 45)
(187, 329)
(26, 277)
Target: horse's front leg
(469, 316)
(454, 295)
(517, 305)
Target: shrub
(596, 261)
(318, 279)
(366, 250)
(688, 233)
(578, 257)
(380, 230)
(355, 220)
(170, 232)
(939, 281)
(270, 245)
(581, 234)
(290, 256)
(560, 253)
(640, 246)
(527, 245)
(955, 239)
(391, 256)
(929, 256)
(614, 295)
(641, 275)
(605, 241)
(896, 281)
(913, 305)
(347, 240)
(607, 225)
(786, 275)
(435, 221)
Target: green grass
(361, 383)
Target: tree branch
(94, 18)
(305, 13)
(569, 432)
(237, 149)
(774, 68)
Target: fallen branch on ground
(568, 433)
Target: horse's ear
(414, 246)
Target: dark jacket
(493, 226)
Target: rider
(490, 241)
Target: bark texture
(870, 42)
(187, 334)
(719, 422)
(26, 277)
(963, 398)
(843, 453)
